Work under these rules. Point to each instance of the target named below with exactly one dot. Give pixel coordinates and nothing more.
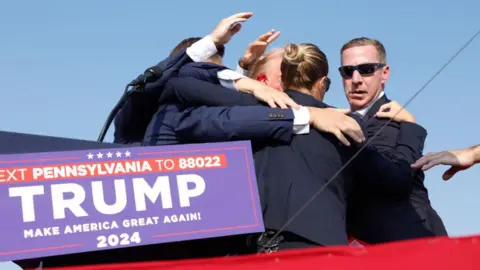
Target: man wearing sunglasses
(377, 218)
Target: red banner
(435, 253)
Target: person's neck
(365, 108)
(301, 90)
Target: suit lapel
(375, 107)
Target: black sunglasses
(328, 82)
(364, 69)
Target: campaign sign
(77, 201)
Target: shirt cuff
(228, 84)
(202, 49)
(301, 121)
(228, 74)
(227, 78)
(242, 71)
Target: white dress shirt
(365, 110)
(205, 48)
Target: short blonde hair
(258, 66)
(364, 41)
(303, 65)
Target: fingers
(234, 23)
(381, 114)
(450, 173)
(266, 36)
(355, 132)
(352, 129)
(273, 37)
(257, 43)
(428, 161)
(241, 15)
(290, 103)
(285, 102)
(341, 137)
(420, 162)
(385, 111)
(271, 103)
(235, 29)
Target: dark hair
(189, 42)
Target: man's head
(364, 71)
(216, 58)
(267, 68)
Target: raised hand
(228, 27)
(459, 160)
(396, 112)
(257, 48)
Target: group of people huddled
(326, 176)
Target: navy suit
(378, 218)
(176, 123)
(204, 71)
(135, 115)
(290, 174)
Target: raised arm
(132, 120)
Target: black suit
(376, 217)
(290, 175)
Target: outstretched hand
(228, 27)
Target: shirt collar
(365, 110)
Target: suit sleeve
(207, 74)
(213, 124)
(193, 93)
(132, 120)
(385, 163)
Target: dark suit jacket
(376, 217)
(178, 124)
(202, 70)
(133, 118)
(289, 175)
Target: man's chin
(356, 104)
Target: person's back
(290, 175)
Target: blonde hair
(364, 41)
(303, 65)
(259, 66)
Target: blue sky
(64, 64)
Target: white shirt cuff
(301, 121)
(227, 78)
(242, 71)
(228, 84)
(202, 49)
(228, 74)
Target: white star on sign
(109, 154)
(127, 153)
(99, 155)
(90, 156)
(118, 154)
